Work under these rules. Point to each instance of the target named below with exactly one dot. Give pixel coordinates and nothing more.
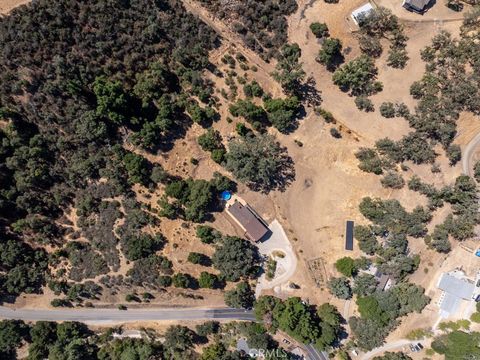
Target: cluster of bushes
(320, 325)
(391, 224)
(379, 24)
(358, 77)
(288, 71)
(281, 113)
(260, 162)
(87, 95)
(194, 199)
(387, 153)
(211, 141)
(85, 262)
(23, 268)
(457, 344)
(463, 198)
(446, 89)
(262, 25)
(380, 310)
(72, 340)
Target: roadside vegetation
(321, 326)
(72, 340)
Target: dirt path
(227, 34)
(468, 154)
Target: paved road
(116, 316)
(467, 155)
(97, 316)
(314, 354)
(387, 347)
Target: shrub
(330, 54)
(387, 110)
(207, 234)
(335, 133)
(197, 258)
(397, 58)
(181, 280)
(370, 45)
(207, 280)
(242, 297)
(320, 30)
(364, 103)
(392, 180)
(340, 288)
(346, 266)
(454, 154)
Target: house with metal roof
(247, 219)
(417, 6)
(456, 288)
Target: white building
(361, 13)
(455, 288)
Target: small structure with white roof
(361, 13)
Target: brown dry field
(329, 184)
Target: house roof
(417, 4)
(382, 281)
(253, 227)
(449, 303)
(457, 287)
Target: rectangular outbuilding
(349, 235)
(417, 6)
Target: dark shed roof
(349, 236)
(254, 228)
(417, 4)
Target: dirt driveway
(286, 266)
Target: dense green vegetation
(260, 162)
(88, 92)
(393, 356)
(382, 24)
(71, 340)
(262, 25)
(385, 239)
(358, 78)
(457, 345)
(463, 198)
(330, 54)
(320, 326)
(380, 312)
(236, 258)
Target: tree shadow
(309, 94)
(279, 181)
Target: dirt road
(467, 155)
